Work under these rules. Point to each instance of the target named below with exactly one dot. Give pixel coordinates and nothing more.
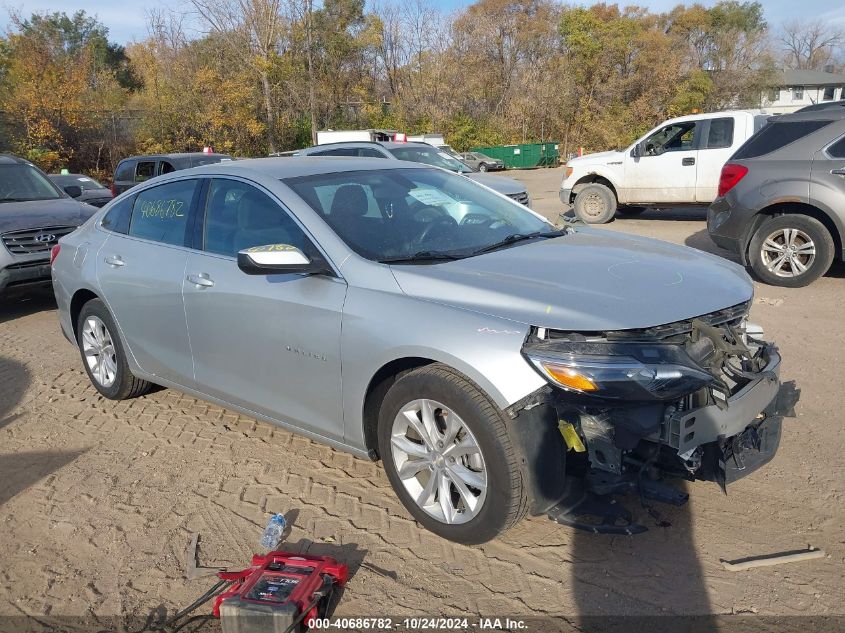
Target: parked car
(93, 192)
(403, 312)
(425, 154)
(137, 169)
(675, 164)
(34, 214)
(482, 162)
(781, 204)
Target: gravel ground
(98, 500)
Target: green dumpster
(524, 156)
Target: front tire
(449, 457)
(791, 250)
(103, 355)
(595, 204)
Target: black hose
(208, 595)
(205, 617)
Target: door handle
(686, 162)
(838, 172)
(201, 280)
(115, 261)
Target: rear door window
(125, 170)
(721, 133)
(367, 152)
(776, 135)
(340, 151)
(166, 167)
(145, 170)
(161, 213)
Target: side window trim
(308, 235)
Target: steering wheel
(477, 219)
(429, 227)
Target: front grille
(521, 197)
(39, 240)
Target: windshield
(431, 156)
(87, 184)
(416, 214)
(20, 182)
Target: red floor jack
(279, 593)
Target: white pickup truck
(676, 164)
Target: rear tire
(103, 354)
(438, 431)
(595, 204)
(791, 250)
(482, 167)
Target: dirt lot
(98, 499)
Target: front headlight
(621, 378)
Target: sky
(127, 20)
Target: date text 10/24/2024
(419, 624)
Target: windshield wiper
(422, 256)
(519, 237)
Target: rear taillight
(730, 176)
(54, 253)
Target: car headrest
(350, 201)
(256, 212)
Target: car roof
(176, 156)
(8, 159)
(830, 114)
(278, 167)
(69, 176)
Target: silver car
(497, 365)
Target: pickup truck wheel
(482, 167)
(791, 250)
(103, 356)
(595, 204)
(449, 457)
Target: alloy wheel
(99, 351)
(439, 461)
(788, 252)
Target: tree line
(264, 75)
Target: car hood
(502, 184)
(590, 280)
(599, 158)
(17, 216)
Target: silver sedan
(402, 312)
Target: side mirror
(275, 259)
(637, 150)
(74, 191)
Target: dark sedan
(93, 192)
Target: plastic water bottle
(273, 532)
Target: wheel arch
(795, 208)
(594, 178)
(79, 299)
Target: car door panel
(268, 343)
(721, 138)
(665, 177)
(141, 275)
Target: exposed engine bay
(697, 399)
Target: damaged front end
(697, 399)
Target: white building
(799, 88)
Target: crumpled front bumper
(743, 433)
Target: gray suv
(34, 214)
(425, 154)
(781, 204)
(403, 312)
